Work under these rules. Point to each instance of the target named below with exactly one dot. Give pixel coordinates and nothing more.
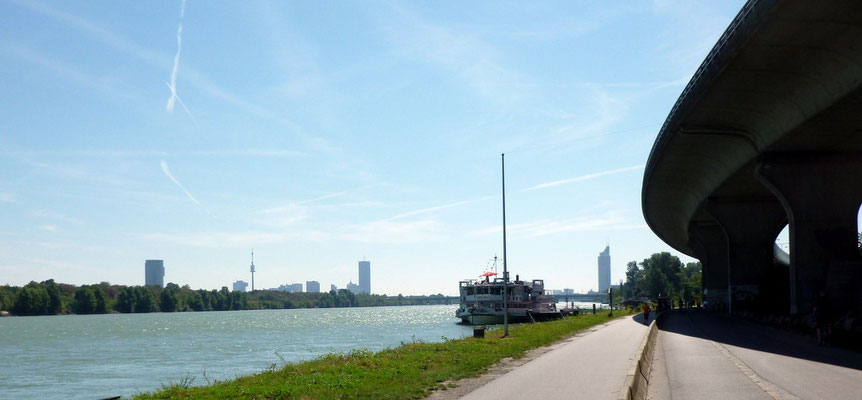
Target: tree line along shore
(52, 298)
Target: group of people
(821, 315)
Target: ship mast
(505, 259)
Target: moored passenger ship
(482, 301)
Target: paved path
(593, 366)
(712, 356)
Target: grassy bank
(407, 372)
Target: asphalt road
(711, 356)
(592, 366)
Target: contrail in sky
(585, 177)
(172, 85)
(180, 185)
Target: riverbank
(413, 370)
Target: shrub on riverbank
(407, 372)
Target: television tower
(252, 270)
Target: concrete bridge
(766, 134)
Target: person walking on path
(646, 310)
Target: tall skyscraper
(365, 277)
(605, 270)
(154, 271)
(312, 286)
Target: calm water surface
(97, 356)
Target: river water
(97, 356)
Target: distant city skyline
(317, 133)
(364, 274)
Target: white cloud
(53, 215)
(67, 72)
(390, 232)
(8, 197)
(172, 85)
(221, 239)
(437, 208)
(585, 177)
(459, 52)
(283, 216)
(48, 228)
(611, 220)
(77, 172)
(179, 185)
(191, 75)
(250, 152)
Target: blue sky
(319, 133)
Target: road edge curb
(637, 379)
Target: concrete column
(709, 242)
(821, 194)
(751, 225)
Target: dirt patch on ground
(452, 390)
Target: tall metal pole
(505, 259)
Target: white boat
(481, 301)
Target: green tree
(145, 300)
(346, 298)
(661, 275)
(168, 300)
(31, 300)
(206, 302)
(55, 304)
(125, 300)
(85, 301)
(101, 302)
(691, 282)
(8, 294)
(325, 300)
(195, 302)
(630, 289)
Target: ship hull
(488, 317)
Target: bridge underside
(768, 133)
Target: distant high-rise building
(292, 288)
(605, 270)
(154, 271)
(240, 286)
(353, 287)
(333, 288)
(312, 286)
(365, 277)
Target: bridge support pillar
(750, 226)
(709, 242)
(821, 195)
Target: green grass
(407, 372)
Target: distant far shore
(51, 298)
